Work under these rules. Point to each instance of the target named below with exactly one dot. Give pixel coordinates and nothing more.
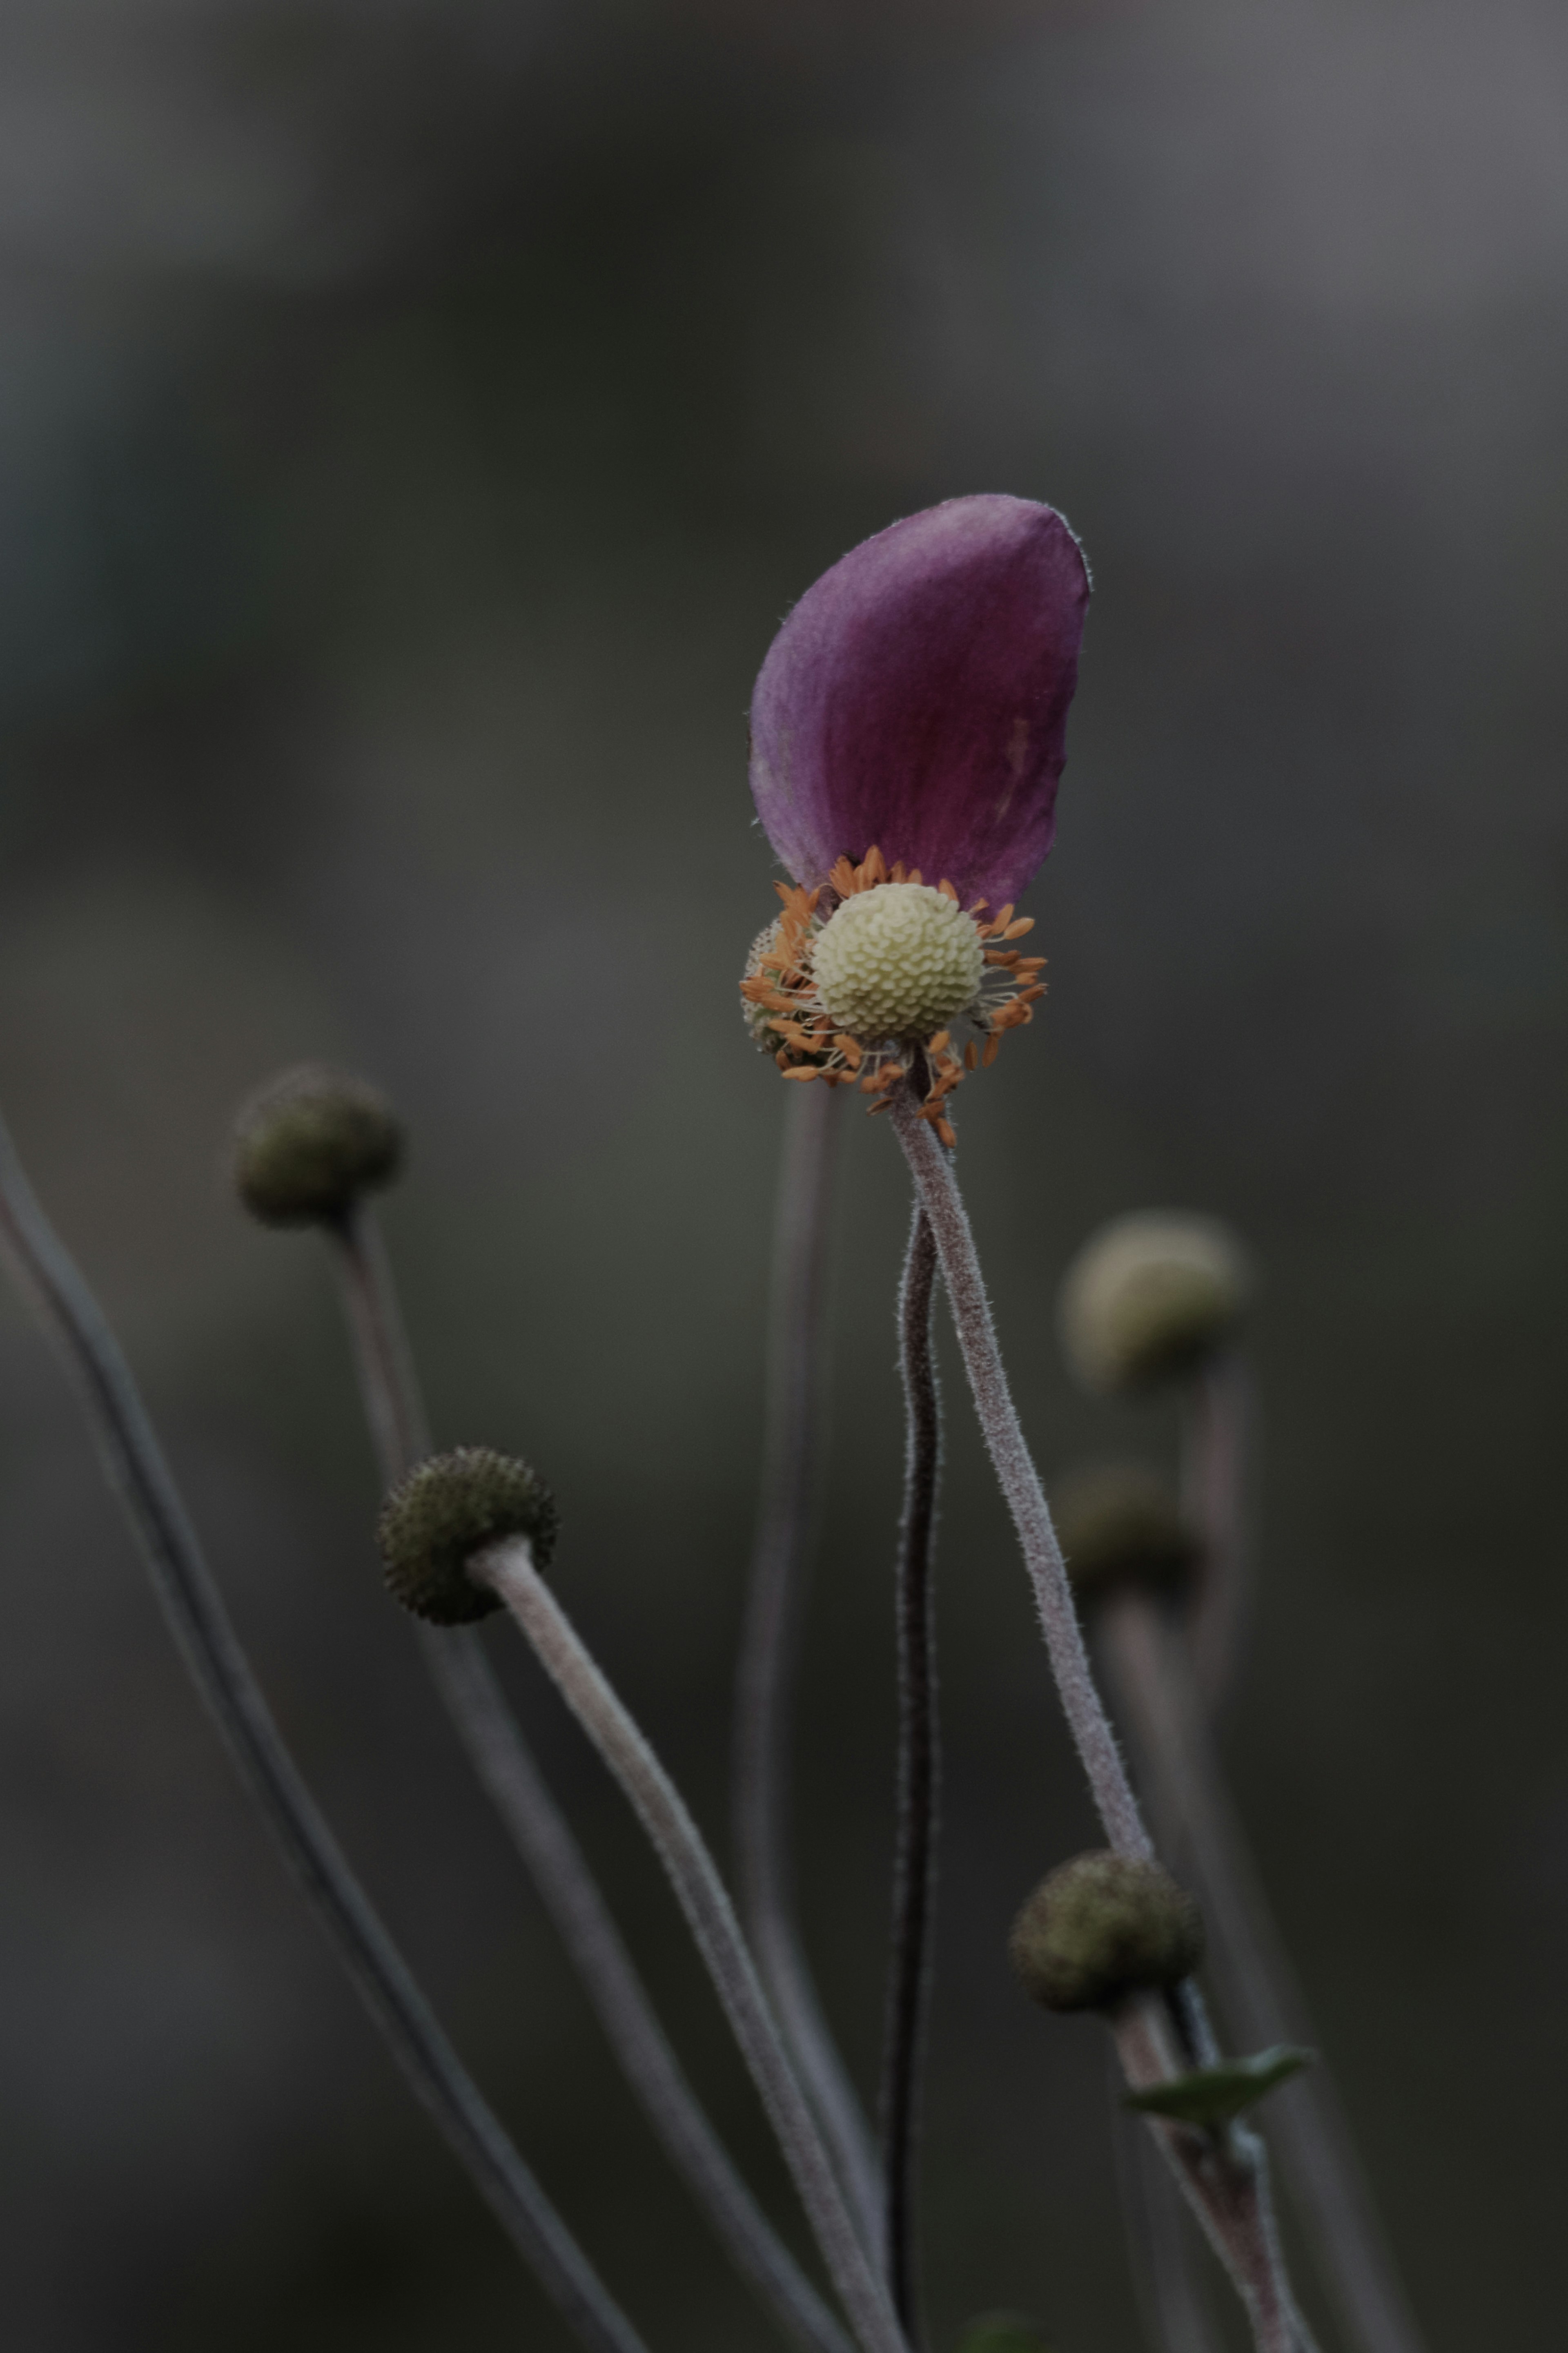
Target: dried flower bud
(310, 1143)
(1102, 1926)
(1121, 1524)
(448, 1509)
(1151, 1295)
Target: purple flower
(915, 700)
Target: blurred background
(415, 420)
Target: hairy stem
(1147, 1657)
(1217, 1413)
(1228, 2185)
(134, 1463)
(505, 1764)
(507, 1568)
(914, 1877)
(1159, 2237)
(771, 1640)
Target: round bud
(310, 1143)
(899, 961)
(1102, 1926)
(1151, 1295)
(1121, 1524)
(448, 1509)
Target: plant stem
(506, 1768)
(770, 1642)
(192, 1606)
(914, 1877)
(1219, 1410)
(1148, 1658)
(937, 1189)
(1225, 2183)
(508, 1567)
(1170, 2304)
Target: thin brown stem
(914, 1878)
(507, 1568)
(1147, 1658)
(506, 1768)
(192, 1607)
(770, 1642)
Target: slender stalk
(770, 1643)
(506, 1766)
(1170, 2304)
(1148, 1659)
(937, 1191)
(1219, 1410)
(914, 1876)
(134, 1463)
(509, 1569)
(1227, 2184)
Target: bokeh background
(414, 420)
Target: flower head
(907, 739)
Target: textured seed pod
(1120, 1525)
(447, 1510)
(310, 1143)
(1149, 1297)
(1102, 1926)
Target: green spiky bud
(1149, 1297)
(1102, 1926)
(310, 1143)
(447, 1510)
(1121, 1524)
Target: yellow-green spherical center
(899, 961)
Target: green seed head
(1102, 1926)
(448, 1509)
(899, 961)
(1149, 1297)
(1120, 1525)
(310, 1144)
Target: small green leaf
(1212, 2095)
(1002, 2332)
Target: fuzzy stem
(134, 1463)
(938, 1192)
(1219, 1410)
(507, 1568)
(501, 1758)
(771, 1641)
(1170, 2304)
(1227, 2182)
(1148, 1658)
(914, 1879)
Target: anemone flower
(908, 735)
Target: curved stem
(506, 1768)
(194, 1612)
(1227, 2184)
(914, 1879)
(1219, 1410)
(1096, 1743)
(770, 1642)
(1148, 1658)
(507, 1568)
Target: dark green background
(414, 422)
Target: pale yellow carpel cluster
(899, 961)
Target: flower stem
(1148, 1658)
(1159, 2239)
(506, 1768)
(194, 1609)
(937, 1189)
(508, 1567)
(914, 1880)
(771, 1641)
(1225, 2181)
(1217, 1413)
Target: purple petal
(916, 699)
